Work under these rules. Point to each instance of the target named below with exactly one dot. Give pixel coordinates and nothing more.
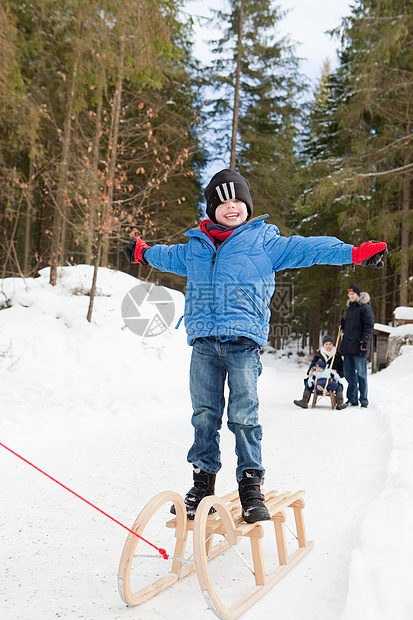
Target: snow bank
(54, 354)
(399, 337)
(388, 329)
(380, 570)
(403, 313)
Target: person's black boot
(304, 401)
(340, 401)
(204, 484)
(252, 500)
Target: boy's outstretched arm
(296, 251)
(170, 258)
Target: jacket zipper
(213, 259)
(214, 254)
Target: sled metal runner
(228, 522)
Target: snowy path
(59, 557)
(340, 459)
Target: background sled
(325, 393)
(229, 524)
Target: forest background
(108, 124)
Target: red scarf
(216, 231)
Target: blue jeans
(213, 362)
(355, 372)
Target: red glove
(370, 253)
(135, 251)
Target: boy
(229, 262)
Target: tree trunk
(314, 325)
(42, 244)
(112, 154)
(10, 254)
(383, 292)
(113, 150)
(60, 218)
(237, 89)
(404, 255)
(60, 212)
(29, 213)
(94, 201)
(96, 263)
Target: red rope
(161, 551)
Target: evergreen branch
(365, 175)
(395, 144)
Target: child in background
(321, 373)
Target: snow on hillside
(107, 413)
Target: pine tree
(362, 162)
(380, 114)
(255, 107)
(357, 158)
(256, 113)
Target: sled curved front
(125, 565)
(201, 535)
(228, 522)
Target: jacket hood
(363, 299)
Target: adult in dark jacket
(355, 345)
(326, 353)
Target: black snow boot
(252, 500)
(340, 401)
(304, 401)
(204, 484)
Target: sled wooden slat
(226, 521)
(279, 520)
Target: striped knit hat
(224, 185)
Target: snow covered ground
(108, 414)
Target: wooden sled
(330, 394)
(325, 393)
(227, 522)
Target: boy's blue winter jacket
(229, 290)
